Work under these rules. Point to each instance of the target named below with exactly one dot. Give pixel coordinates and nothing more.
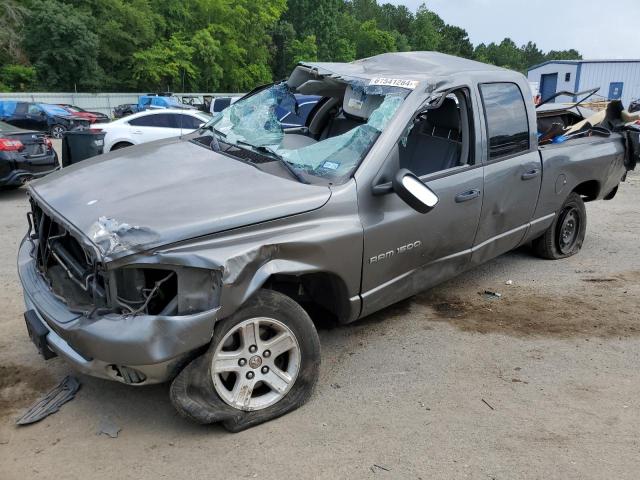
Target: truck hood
(141, 197)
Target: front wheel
(263, 362)
(566, 234)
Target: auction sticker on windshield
(394, 82)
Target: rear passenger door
(512, 171)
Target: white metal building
(617, 79)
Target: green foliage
(305, 49)
(17, 78)
(165, 65)
(62, 46)
(216, 45)
(12, 15)
(371, 40)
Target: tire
(204, 390)
(566, 234)
(57, 131)
(120, 145)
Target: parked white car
(151, 125)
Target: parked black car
(24, 155)
(42, 117)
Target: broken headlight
(164, 290)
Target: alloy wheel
(255, 364)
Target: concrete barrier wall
(97, 102)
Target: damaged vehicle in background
(93, 117)
(43, 117)
(205, 263)
(24, 155)
(149, 102)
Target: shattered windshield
(334, 150)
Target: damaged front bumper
(134, 349)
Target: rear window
(507, 121)
(7, 108)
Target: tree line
(216, 45)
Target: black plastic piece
(78, 145)
(52, 402)
(38, 334)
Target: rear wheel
(57, 131)
(566, 234)
(263, 362)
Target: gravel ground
(541, 383)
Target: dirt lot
(541, 383)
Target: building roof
(576, 62)
(403, 65)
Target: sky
(597, 29)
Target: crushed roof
(403, 65)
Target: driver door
(406, 251)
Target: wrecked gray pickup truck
(202, 259)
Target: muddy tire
(566, 234)
(262, 362)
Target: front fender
(327, 240)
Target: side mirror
(414, 192)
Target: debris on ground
(509, 282)
(487, 404)
(109, 428)
(490, 294)
(375, 468)
(52, 402)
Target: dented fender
(327, 242)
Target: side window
(439, 138)
(34, 109)
(149, 121)
(187, 122)
(21, 108)
(506, 116)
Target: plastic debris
(487, 404)
(375, 468)
(52, 402)
(490, 294)
(509, 282)
(109, 428)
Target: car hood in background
(166, 191)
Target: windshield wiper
(273, 154)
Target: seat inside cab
(335, 117)
(435, 143)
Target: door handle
(137, 132)
(466, 196)
(530, 174)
